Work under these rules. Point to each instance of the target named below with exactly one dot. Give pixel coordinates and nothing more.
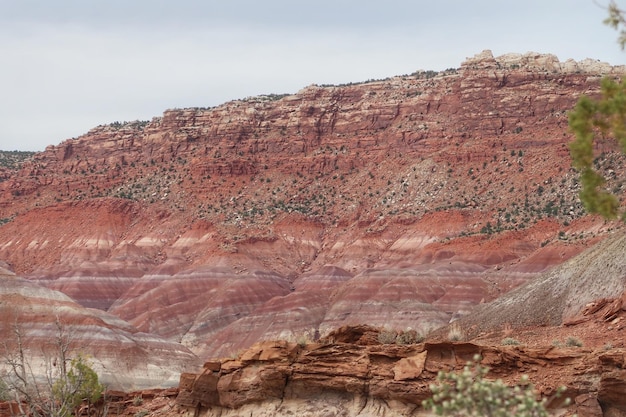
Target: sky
(67, 66)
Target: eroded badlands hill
(34, 319)
(400, 203)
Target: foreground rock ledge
(280, 378)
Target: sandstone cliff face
(352, 374)
(401, 203)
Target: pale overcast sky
(69, 65)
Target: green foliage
(616, 21)
(136, 124)
(605, 117)
(64, 384)
(5, 220)
(469, 393)
(79, 384)
(14, 159)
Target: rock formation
(352, 374)
(401, 202)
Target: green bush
(78, 385)
(469, 393)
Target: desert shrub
(469, 393)
(387, 337)
(142, 413)
(79, 384)
(304, 339)
(62, 390)
(509, 341)
(573, 342)
(455, 333)
(409, 337)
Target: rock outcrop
(363, 377)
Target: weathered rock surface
(401, 202)
(361, 377)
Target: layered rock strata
(33, 318)
(362, 377)
(404, 202)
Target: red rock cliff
(399, 202)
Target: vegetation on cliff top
(13, 159)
